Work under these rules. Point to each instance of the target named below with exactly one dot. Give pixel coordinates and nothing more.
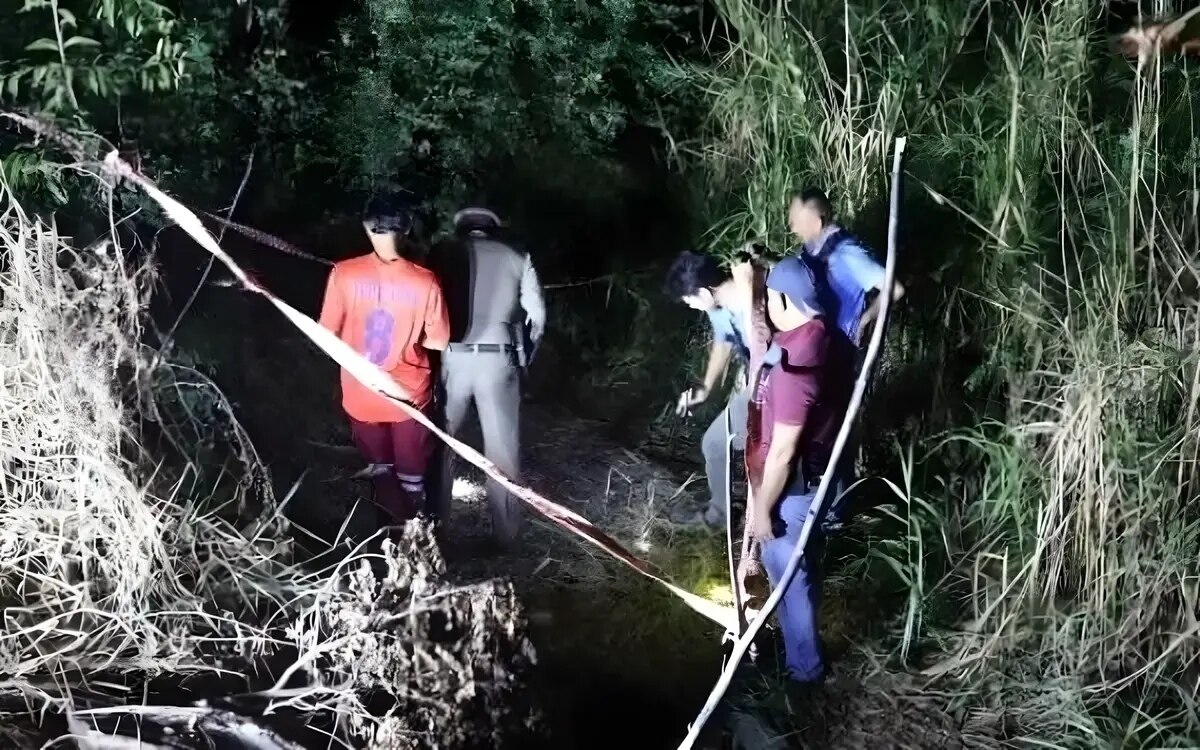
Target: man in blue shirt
(851, 281)
(795, 413)
(697, 281)
(851, 274)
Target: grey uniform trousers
(492, 381)
(713, 446)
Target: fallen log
(170, 728)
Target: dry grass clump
(105, 581)
(97, 573)
(451, 657)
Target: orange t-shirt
(392, 313)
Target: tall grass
(1057, 212)
(98, 572)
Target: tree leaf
(56, 189)
(80, 40)
(68, 18)
(43, 44)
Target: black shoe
(801, 696)
(832, 527)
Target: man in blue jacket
(850, 281)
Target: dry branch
(106, 581)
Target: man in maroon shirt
(796, 407)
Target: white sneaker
(714, 518)
(371, 471)
(706, 518)
(687, 518)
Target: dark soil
(603, 681)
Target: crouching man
(390, 310)
(797, 404)
(698, 282)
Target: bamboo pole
(735, 588)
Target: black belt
(481, 348)
(812, 483)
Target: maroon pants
(405, 447)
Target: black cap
(390, 214)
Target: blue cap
(793, 277)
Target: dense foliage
(192, 88)
(463, 90)
(457, 99)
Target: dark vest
(481, 284)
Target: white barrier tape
(269, 240)
(378, 380)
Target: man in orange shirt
(391, 311)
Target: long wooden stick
(734, 586)
(743, 643)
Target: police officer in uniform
(497, 317)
